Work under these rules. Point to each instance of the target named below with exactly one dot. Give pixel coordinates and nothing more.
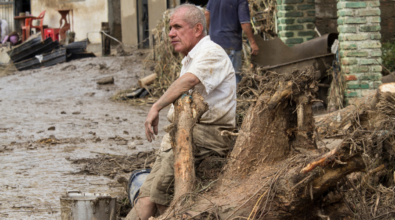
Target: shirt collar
(195, 49)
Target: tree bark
(187, 111)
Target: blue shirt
(226, 17)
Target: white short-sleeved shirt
(212, 66)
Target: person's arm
(247, 28)
(207, 15)
(177, 88)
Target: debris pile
(112, 165)
(35, 53)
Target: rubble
(35, 53)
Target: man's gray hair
(193, 16)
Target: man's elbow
(192, 80)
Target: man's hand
(247, 28)
(254, 48)
(151, 123)
(180, 86)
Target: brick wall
(360, 47)
(296, 20)
(326, 17)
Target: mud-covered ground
(51, 117)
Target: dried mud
(55, 119)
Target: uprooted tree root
(275, 170)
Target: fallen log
(148, 80)
(187, 111)
(106, 80)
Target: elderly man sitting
(208, 70)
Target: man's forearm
(180, 86)
(247, 28)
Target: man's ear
(198, 29)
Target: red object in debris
(40, 26)
(52, 33)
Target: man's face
(182, 37)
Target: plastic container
(81, 206)
(136, 180)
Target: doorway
(143, 23)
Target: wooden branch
(148, 80)
(106, 80)
(187, 111)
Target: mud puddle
(53, 116)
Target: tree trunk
(187, 111)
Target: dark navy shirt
(225, 19)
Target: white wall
(129, 22)
(88, 15)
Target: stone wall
(296, 20)
(326, 18)
(360, 47)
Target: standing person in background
(226, 19)
(4, 29)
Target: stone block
(292, 1)
(286, 34)
(353, 37)
(351, 20)
(375, 36)
(353, 85)
(290, 14)
(293, 27)
(370, 28)
(368, 12)
(306, 7)
(305, 20)
(350, 77)
(279, 2)
(280, 27)
(285, 7)
(293, 41)
(352, 93)
(347, 29)
(348, 46)
(306, 33)
(376, 68)
(371, 77)
(374, 4)
(345, 12)
(353, 54)
(377, 53)
(341, 5)
(349, 61)
(311, 13)
(370, 45)
(286, 20)
(368, 62)
(364, 85)
(375, 19)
